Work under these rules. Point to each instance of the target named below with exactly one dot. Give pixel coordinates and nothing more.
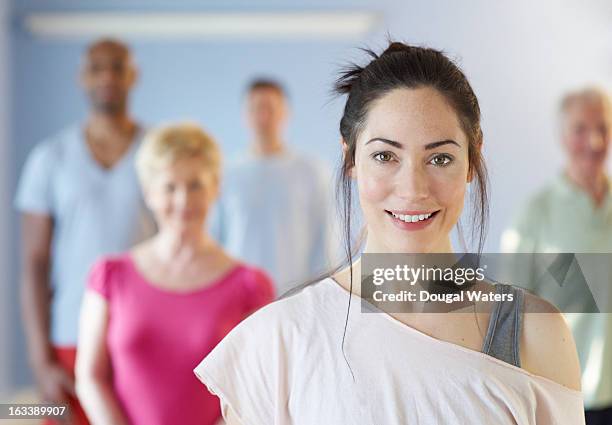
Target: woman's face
(411, 168)
(180, 195)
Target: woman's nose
(411, 182)
(181, 198)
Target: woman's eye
(382, 156)
(441, 160)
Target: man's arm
(37, 233)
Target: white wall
(5, 273)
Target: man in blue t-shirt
(79, 199)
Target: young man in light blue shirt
(79, 199)
(275, 209)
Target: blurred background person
(275, 206)
(149, 314)
(79, 198)
(574, 214)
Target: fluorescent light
(295, 25)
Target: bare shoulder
(547, 344)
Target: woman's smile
(412, 220)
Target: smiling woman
(150, 313)
(411, 142)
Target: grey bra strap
(504, 332)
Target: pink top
(156, 337)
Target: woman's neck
(343, 277)
(373, 246)
(181, 246)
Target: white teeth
(412, 218)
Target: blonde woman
(150, 313)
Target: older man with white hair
(574, 214)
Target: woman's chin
(408, 248)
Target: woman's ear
(470, 175)
(344, 147)
(345, 151)
(146, 195)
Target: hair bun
(395, 47)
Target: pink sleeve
(260, 290)
(98, 279)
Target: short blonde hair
(167, 144)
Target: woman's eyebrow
(434, 145)
(428, 146)
(390, 142)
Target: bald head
(111, 44)
(107, 75)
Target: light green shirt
(563, 218)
